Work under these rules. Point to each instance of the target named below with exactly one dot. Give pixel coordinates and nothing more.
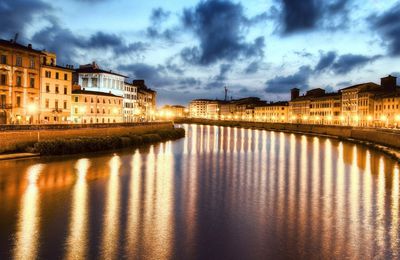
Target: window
(18, 101)
(47, 74)
(19, 61)
(32, 82)
(3, 59)
(19, 81)
(32, 63)
(85, 82)
(57, 90)
(65, 76)
(47, 103)
(57, 75)
(94, 82)
(56, 104)
(91, 100)
(65, 91)
(76, 110)
(76, 99)
(47, 88)
(3, 79)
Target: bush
(94, 144)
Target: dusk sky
(192, 49)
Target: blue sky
(192, 49)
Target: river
(219, 193)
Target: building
(131, 106)
(326, 109)
(198, 108)
(272, 112)
(19, 83)
(92, 78)
(245, 107)
(55, 91)
(174, 111)
(146, 101)
(213, 109)
(93, 107)
(386, 104)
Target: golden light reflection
(394, 228)
(27, 236)
(78, 234)
(111, 220)
(133, 220)
(193, 149)
(380, 203)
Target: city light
(383, 118)
(342, 118)
(32, 108)
(329, 118)
(369, 118)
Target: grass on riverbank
(94, 144)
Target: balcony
(57, 110)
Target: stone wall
(14, 137)
(386, 137)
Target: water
(220, 193)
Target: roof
(90, 69)
(57, 67)
(272, 104)
(89, 92)
(367, 84)
(15, 45)
(389, 94)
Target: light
(369, 118)
(115, 111)
(82, 110)
(282, 118)
(273, 117)
(169, 114)
(223, 117)
(293, 118)
(342, 118)
(305, 117)
(32, 108)
(317, 118)
(329, 118)
(186, 110)
(356, 118)
(236, 117)
(383, 118)
(397, 117)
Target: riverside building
(55, 91)
(19, 83)
(131, 106)
(93, 107)
(272, 112)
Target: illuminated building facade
(19, 83)
(93, 107)
(131, 111)
(55, 91)
(146, 101)
(198, 108)
(272, 112)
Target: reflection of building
(89, 107)
(272, 112)
(55, 91)
(19, 83)
(130, 103)
(146, 101)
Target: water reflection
(27, 235)
(78, 233)
(220, 193)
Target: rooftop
(94, 68)
(15, 45)
(89, 92)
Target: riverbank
(14, 138)
(384, 140)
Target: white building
(131, 111)
(90, 77)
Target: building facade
(94, 107)
(55, 91)
(272, 112)
(131, 112)
(19, 83)
(198, 108)
(146, 101)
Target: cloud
(159, 15)
(342, 64)
(67, 45)
(16, 15)
(157, 19)
(387, 24)
(283, 84)
(219, 26)
(307, 15)
(252, 68)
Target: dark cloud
(252, 68)
(189, 82)
(219, 25)
(342, 64)
(16, 15)
(223, 70)
(159, 15)
(344, 84)
(157, 19)
(283, 84)
(388, 25)
(62, 41)
(325, 61)
(311, 14)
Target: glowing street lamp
(32, 108)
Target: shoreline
(392, 152)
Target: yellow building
(19, 83)
(387, 110)
(326, 109)
(146, 101)
(272, 112)
(55, 91)
(198, 108)
(92, 107)
(174, 111)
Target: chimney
(294, 93)
(389, 82)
